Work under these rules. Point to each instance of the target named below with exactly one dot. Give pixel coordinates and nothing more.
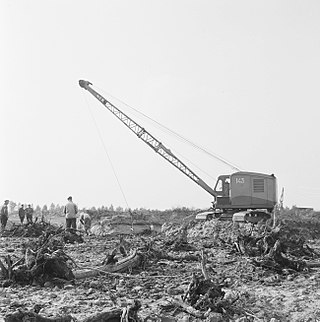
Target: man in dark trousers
(4, 215)
(29, 214)
(22, 214)
(71, 210)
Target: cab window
(219, 185)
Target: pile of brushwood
(205, 298)
(281, 248)
(35, 229)
(43, 260)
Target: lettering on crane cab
(240, 180)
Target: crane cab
(246, 190)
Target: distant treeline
(103, 212)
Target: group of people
(23, 213)
(70, 211)
(26, 213)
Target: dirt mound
(214, 229)
(125, 224)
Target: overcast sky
(240, 78)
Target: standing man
(29, 214)
(4, 215)
(71, 210)
(22, 214)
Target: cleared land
(160, 281)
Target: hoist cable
(179, 136)
(161, 126)
(193, 164)
(107, 154)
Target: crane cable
(161, 127)
(177, 135)
(109, 159)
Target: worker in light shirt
(71, 210)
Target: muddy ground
(255, 293)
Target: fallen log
(313, 264)
(123, 265)
(187, 308)
(113, 315)
(34, 317)
(127, 314)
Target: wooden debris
(112, 315)
(34, 317)
(277, 261)
(127, 314)
(110, 258)
(38, 229)
(35, 229)
(276, 248)
(43, 260)
(125, 264)
(203, 293)
(188, 309)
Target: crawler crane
(241, 196)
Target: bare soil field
(162, 282)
